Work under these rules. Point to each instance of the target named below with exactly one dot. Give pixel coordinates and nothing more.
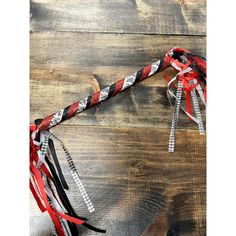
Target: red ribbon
(185, 78)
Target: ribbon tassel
(43, 175)
(197, 109)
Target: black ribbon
(58, 167)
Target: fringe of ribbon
(44, 178)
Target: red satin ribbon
(37, 198)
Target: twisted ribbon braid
(104, 94)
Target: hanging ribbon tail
(95, 229)
(205, 93)
(188, 103)
(47, 186)
(60, 191)
(196, 108)
(37, 197)
(201, 94)
(55, 159)
(175, 117)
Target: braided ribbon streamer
(47, 182)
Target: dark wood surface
(120, 146)
(120, 16)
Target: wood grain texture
(126, 16)
(134, 182)
(120, 147)
(90, 50)
(70, 66)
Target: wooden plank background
(120, 147)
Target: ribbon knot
(189, 82)
(186, 79)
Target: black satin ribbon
(58, 167)
(59, 188)
(73, 228)
(94, 228)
